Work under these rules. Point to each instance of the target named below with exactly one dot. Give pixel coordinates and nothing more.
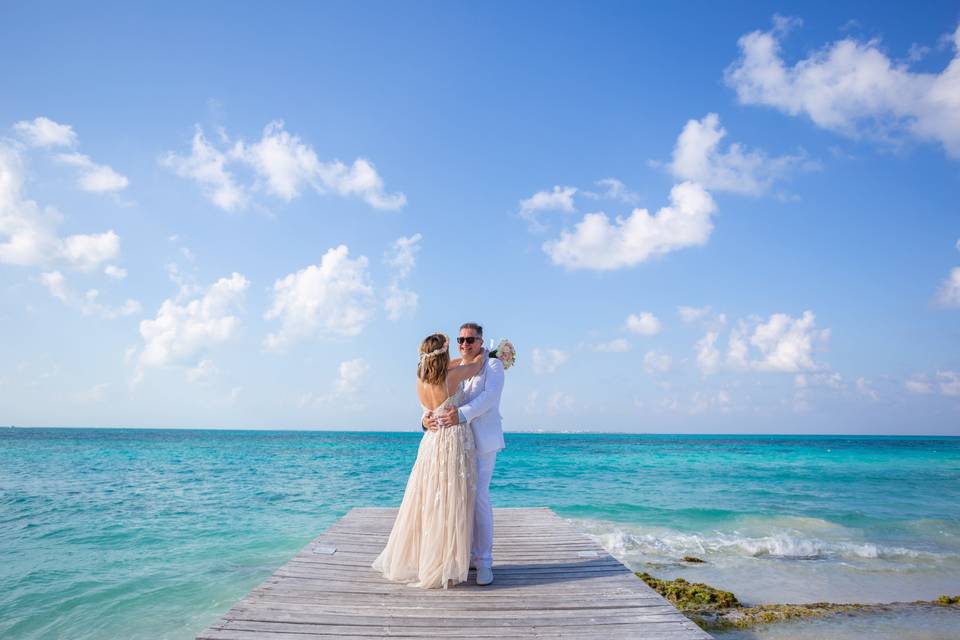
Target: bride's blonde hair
(434, 359)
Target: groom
(481, 409)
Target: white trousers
(482, 551)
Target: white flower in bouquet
(505, 353)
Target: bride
(429, 545)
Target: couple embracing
(445, 522)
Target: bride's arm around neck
(460, 372)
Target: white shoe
(484, 576)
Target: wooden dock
(550, 582)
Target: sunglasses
(468, 339)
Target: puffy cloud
(182, 330)
(44, 132)
(779, 344)
(949, 293)
(785, 343)
(350, 374)
(852, 88)
(615, 190)
(400, 302)
(560, 199)
(87, 251)
(697, 157)
(115, 272)
(87, 304)
(708, 356)
(402, 255)
(28, 234)
(597, 244)
(547, 360)
(703, 315)
(401, 258)
(646, 324)
(206, 165)
(94, 177)
(333, 298)
(656, 362)
(283, 164)
(617, 345)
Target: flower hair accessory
(443, 348)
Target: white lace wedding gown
(429, 545)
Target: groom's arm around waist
(489, 398)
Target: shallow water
(155, 533)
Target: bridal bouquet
(505, 352)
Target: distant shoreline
(545, 432)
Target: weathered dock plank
(551, 582)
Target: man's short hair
(474, 326)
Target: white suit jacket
(482, 406)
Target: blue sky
(688, 218)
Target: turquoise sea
(132, 533)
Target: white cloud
(44, 132)
(703, 315)
(284, 166)
(560, 199)
(918, 383)
(949, 293)
(331, 299)
(402, 255)
(701, 402)
(779, 344)
(350, 374)
(115, 272)
(697, 157)
(689, 315)
(401, 258)
(56, 284)
(98, 178)
(597, 244)
(852, 88)
(646, 324)
(616, 190)
(708, 356)
(617, 345)
(785, 343)
(28, 234)
(206, 165)
(949, 382)
(87, 251)
(656, 362)
(400, 302)
(181, 331)
(547, 360)
(205, 371)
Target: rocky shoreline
(714, 609)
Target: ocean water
(129, 533)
